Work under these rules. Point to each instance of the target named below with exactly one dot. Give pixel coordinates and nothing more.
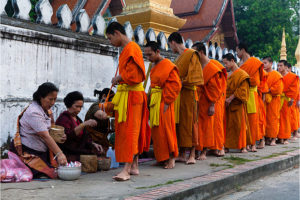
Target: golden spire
(297, 53)
(283, 47)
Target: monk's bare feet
(273, 142)
(181, 159)
(297, 135)
(221, 153)
(261, 144)
(191, 160)
(285, 142)
(253, 148)
(170, 164)
(248, 148)
(293, 138)
(202, 156)
(226, 150)
(244, 150)
(134, 170)
(122, 176)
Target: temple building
(199, 20)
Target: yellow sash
(251, 105)
(120, 99)
(283, 98)
(155, 101)
(177, 102)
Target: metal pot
(68, 173)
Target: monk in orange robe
(165, 87)
(209, 95)
(272, 99)
(190, 73)
(262, 89)
(290, 90)
(218, 117)
(254, 68)
(237, 95)
(295, 110)
(133, 133)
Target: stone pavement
(157, 183)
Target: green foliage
(260, 23)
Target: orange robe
(262, 90)
(295, 112)
(254, 68)
(165, 75)
(220, 109)
(133, 135)
(190, 73)
(290, 90)
(211, 92)
(236, 118)
(275, 86)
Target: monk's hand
(100, 115)
(116, 80)
(98, 147)
(291, 102)
(166, 107)
(90, 122)
(229, 100)
(211, 109)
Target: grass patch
(221, 165)
(274, 155)
(159, 185)
(237, 160)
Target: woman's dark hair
(70, 99)
(43, 90)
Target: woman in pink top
(78, 140)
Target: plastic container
(111, 154)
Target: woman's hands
(61, 159)
(98, 147)
(90, 122)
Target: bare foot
(191, 160)
(297, 135)
(221, 153)
(122, 176)
(202, 156)
(171, 164)
(226, 150)
(180, 159)
(293, 138)
(285, 142)
(281, 141)
(248, 147)
(244, 150)
(253, 148)
(261, 144)
(273, 144)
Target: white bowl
(68, 173)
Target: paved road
(283, 186)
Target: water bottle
(111, 153)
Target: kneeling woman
(78, 141)
(32, 142)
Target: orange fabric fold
(165, 75)
(275, 86)
(211, 92)
(132, 136)
(262, 90)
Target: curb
(218, 183)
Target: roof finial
(283, 47)
(297, 53)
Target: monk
(237, 95)
(254, 69)
(211, 104)
(165, 87)
(190, 73)
(262, 89)
(130, 103)
(290, 90)
(272, 99)
(295, 110)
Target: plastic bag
(14, 170)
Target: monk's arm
(242, 92)
(132, 74)
(213, 88)
(172, 87)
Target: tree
(260, 24)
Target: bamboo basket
(57, 133)
(89, 163)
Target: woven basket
(57, 133)
(89, 163)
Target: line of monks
(195, 106)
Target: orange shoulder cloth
(209, 71)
